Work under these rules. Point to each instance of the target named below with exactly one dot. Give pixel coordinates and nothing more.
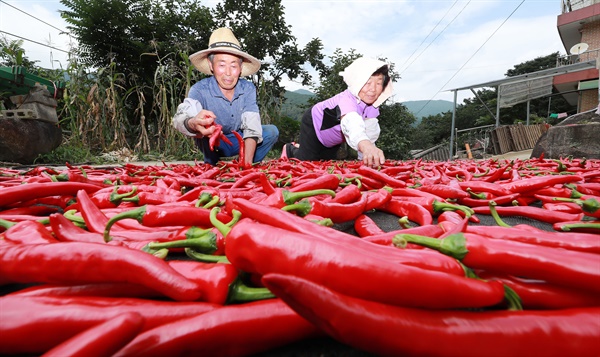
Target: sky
(435, 45)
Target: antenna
(579, 48)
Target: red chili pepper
(353, 271)
(150, 198)
(434, 206)
(27, 232)
(536, 183)
(220, 283)
(281, 219)
(213, 140)
(411, 192)
(562, 267)
(500, 200)
(584, 242)
(360, 322)
(283, 197)
(33, 325)
(326, 181)
(33, 210)
(532, 212)
(96, 221)
(101, 340)
(380, 176)
(444, 191)
(365, 226)
(32, 191)
(567, 207)
(431, 230)
(208, 241)
(234, 330)
(578, 226)
(496, 174)
(483, 186)
(242, 150)
(113, 290)
(414, 211)
(377, 199)
(157, 216)
(77, 263)
(338, 212)
(540, 295)
(348, 194)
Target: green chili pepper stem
(404, 222)
(301, 208)
(496, 216)
(204, 198)
(159, 253)
(212, 203)
(240, 292)
(207, 258)
(206, 244)
(569, 227)
(454, 245)
(512, 298)
(439, 206)
(222, 227)
(480, 196)
(60, 177)
(127, 196)
(290, 197)
(6, 224)
(327, 222)
(590, 205)
(487, 170)
(236, 215)
(70, 214)
(136, 213)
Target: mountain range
(297, 100)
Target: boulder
(21, 141)
(577, 136)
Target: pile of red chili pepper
(232, 260)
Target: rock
(577, 136)
(21, 141)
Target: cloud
(437, 45)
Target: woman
(349, 116)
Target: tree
(396, 131)
(261, 29)
(133, 33)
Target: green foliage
(396, 124)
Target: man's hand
(372, 156)
(202, 123)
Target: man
(227, 100)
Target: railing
(572, 5)
(589, 55)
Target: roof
(576, 67)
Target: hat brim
(250, 64)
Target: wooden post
(469, 154)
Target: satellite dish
(579, 48)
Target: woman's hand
(202, 123)
(372, 156)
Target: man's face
(226, 68)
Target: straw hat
(222, 40)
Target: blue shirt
(228, 113)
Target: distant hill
(296, 104)
(425, 108)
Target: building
(579, 30)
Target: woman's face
(372, 89)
